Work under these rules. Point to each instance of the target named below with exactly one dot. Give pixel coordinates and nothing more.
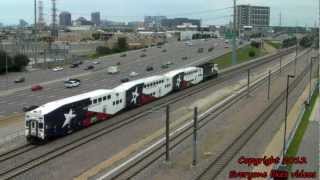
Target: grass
(242, 56)
(274, 44)
(295, 143)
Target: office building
(255, 16)
(95, 18)
(65, 19)
(153, 21)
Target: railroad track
(60, 150)
(138, 165)
(216, 167)
(17, 151)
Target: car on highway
(169, 63)
(184, 58)
(78, 62)
(113, 69)
(159, 47)
(210, 49)
(123, 55)
(96, 62)
(188, 43)
(200, 50)
(164, 50)
(89, 67)
(36, 87)
(133, 74)
(149, 68)
(118, 63)
(144, 50)
(143, 55)
(29, 108)
(164, 66)
(19, 80)
(226, 46)
(58, 68)
(74, 65)
(72, 83)
(125, 80)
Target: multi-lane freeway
(20, 95)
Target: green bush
(252, 53)
(255, 44)
(15, 64)
(102, 50)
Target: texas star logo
(135, 96)
(68, 117)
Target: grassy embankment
(297, 139)
(242, 56)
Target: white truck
(113, 69)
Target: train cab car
(66, 115)
(184, 78)
(209, 70)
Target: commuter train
(64, 116)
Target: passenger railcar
(62, 117)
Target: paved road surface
(13, 103)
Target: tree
(96, 36)
(20, 61)
(5, 61)
(252, 53)
(122, 44)
(102, 50)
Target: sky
(217, 12)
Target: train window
(109, 96)
(41, 125)
(95, 101)
(104, 98)
(100, 99)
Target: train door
(104, 109)
(33, 128)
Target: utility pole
(234, 48)
(35, 31)
(7, 75)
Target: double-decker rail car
(64, 116)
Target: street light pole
(234, 48)
(286, 116)
(7, 78)
(310, 82)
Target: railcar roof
(49, 107)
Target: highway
(20, 95)
(116, 142)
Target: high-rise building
(65, 19)
(255, 16)
(23, 23)
(153, 21)
(95, 18)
